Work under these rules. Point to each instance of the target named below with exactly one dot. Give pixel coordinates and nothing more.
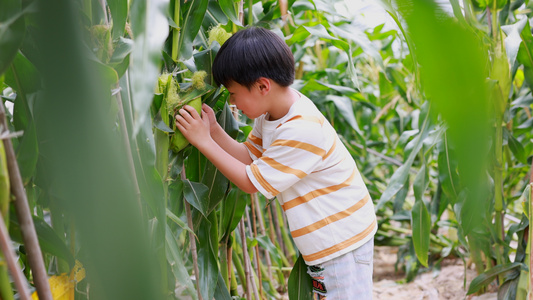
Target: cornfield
(101, 198)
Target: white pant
(346, 277)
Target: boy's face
(247, 100)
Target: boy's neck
(281, 99)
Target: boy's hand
(195, 128)
(207, 110)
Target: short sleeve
(295, 152)
(254, 142)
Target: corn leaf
(12, 29)
(487, 277)
(207, 259)
(150, 29)
(192, 15)
(421, 224)
(197, 195)
(300, 283)
(119, 14)
(177, 265)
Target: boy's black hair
(252, 53)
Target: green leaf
(300, 283)
(49, 241)
(228, 7)
(217, 184)
(344, 106)
(178, 221)
(12, 30)
(177, 265)
(150, 29)
(487, 277)
(221, 291)
(273, 251)
(401, 175)
(197, 194)
(23, 76)
(232, 210)
(421, 183)
(421, 224)
(513, 39)
(119, 14)
(516, 147)
(193, 16)
(207, 260)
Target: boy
(294, 154)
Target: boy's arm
(226, 142)
(197, 131)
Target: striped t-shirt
(300, 160)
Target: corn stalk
(25, 219)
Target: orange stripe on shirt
(283, 168)
(262, 181)
(255, 140)
(300, 145)
(331, 149)
(252, 149)
(319, 120)
(333, 218)
(340, 246)
(316, 193)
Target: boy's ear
(264, 85)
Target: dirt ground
(446, 284)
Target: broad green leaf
(197, 194)
(461, 69)
(525, 52)
(122, 50)
(232, 210)
(488, 276)
(300, 283)
(192, 15)
(12, 30)
(221, 291)
(344, 106)
(516, 147)
(513, 39)
(27, 153)
(447, 169)
(352, 33)
(217, 184)
(421, 183)
(302, 32)
(228, 7)
(177, 265)
(401, 175)
(23, 76)
(150, 29)
(178, 221)
(421, 224)
(49, 241)
(207, 260)
(119, 14)
(273, 251)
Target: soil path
(443, 285)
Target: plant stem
(246, 260)
(14, 268)
(250, 12)
(256, 248)
(35, 256)
(176, 31)
(192, 239)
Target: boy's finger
(186, 114)
(192, 111)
